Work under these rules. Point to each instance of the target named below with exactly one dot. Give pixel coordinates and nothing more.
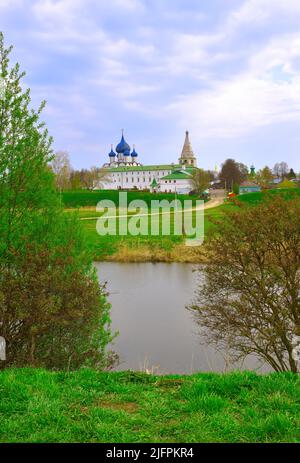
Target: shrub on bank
(53, 312)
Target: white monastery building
(124, 171)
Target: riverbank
(142, 248)
(146, 248)
(149, 248)
(90, 406)
(179, 253)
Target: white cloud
(127, 49)
(256, 12)
(192, 50)
(265, 93)
(113, 68)
(282, 50)
(239, 106)
(126, 89)
(220, 79)
(57, 14)
(9, 4)
(69, 10)
(251, 11)
(131, 5)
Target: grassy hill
(257, 197)
(84, 198)
(127, 248)
(149, 248)
(90, 406)
(144, 248)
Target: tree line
(233, 174)
(67, 178)
(230, 177)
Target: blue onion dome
(134, 154)
(112, 154)
(122, 146)
(126, 153)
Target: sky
(226, 70)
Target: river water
(156, 331)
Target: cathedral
(126, 172)
(122, 157)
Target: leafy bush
(52, 310)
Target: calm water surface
(156, 331)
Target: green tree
(287, 184)
(291, 175)
(264, 177)
(236, 189)
(249, 300)
(200, 180)
(47, 283)
(75, 181)
(232, 172)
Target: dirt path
(217, 198)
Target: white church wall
(181, 186)
(140, 179)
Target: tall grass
(90, 406)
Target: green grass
(157, 247)
(257, 197)
(89, 406)
(102, 247)
(83, 198)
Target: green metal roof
(191, 169)
(143, 168)
(177, 176)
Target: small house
(249, 187)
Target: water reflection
(156, 331)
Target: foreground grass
(89, 406)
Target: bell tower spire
(187, 157)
